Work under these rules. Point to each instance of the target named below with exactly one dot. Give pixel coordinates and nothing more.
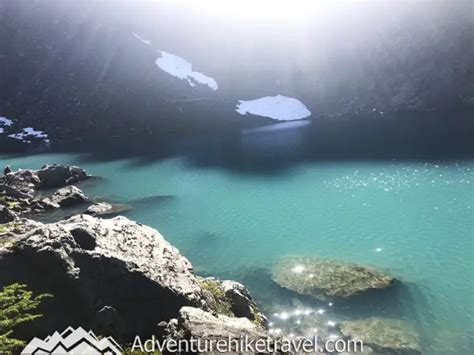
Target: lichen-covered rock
(90, 263)
(105, 209)
(68, 196)
(384, 336)
(324, 279)
(13, 231)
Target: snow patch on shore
(29, 132)
(182, 69)
(279, 107)
(5, 122)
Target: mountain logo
(73, 341)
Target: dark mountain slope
(76, 70)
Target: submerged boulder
(324, 279)
(384, 336)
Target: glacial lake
(412, 219)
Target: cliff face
(77, 69)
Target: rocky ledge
(114, 276)
(21, 191)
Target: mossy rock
(220, 303)
(232, 299)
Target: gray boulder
(384, 336)
(90, 263)
(44, 204)
(324, 279)
(49, 176)
(242, 304)
(68, 196)
(60, 175)
(19, 188)
(6, 215)
(105, 209)
(20, 184)
(194, 323)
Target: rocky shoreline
(114, 275)
(122, 278)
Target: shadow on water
(59, 214)
(151, 201)
(277, 147)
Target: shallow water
(411, 219)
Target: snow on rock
(5, 121)
(278, 107)
(1, 130)
(141, 39)
(28, 132)
(182, 69)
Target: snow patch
(27, 132)
(5, 121)
(141, 39)
(278, 107)
(182, 69)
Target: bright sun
(256, 8)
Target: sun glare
(254, 8)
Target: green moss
(9, 202)
(257, 318)
(10, 226)
(213, 287)
(221, 304)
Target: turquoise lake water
(412, 219)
